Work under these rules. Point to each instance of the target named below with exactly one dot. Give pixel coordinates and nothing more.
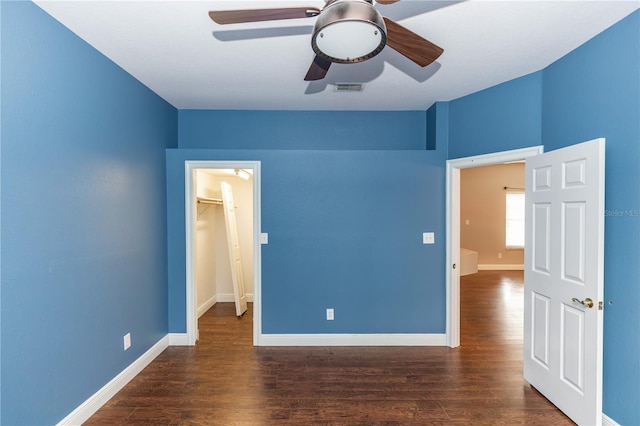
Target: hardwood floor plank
(224, 380)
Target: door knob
(586, 302)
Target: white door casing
(189, 338)
(453, 227)
(231, 225)
(564, 258)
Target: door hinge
(600, 305)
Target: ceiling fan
(346, 31)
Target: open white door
(239, 294)
(564, 253)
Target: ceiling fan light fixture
(349, 31)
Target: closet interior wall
(213, 269)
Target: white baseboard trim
(225, 298)
(228, 297)
(178, 339)
(85, 410)
(608, 421)
(352, 340)
(500, 267)
(207, 305)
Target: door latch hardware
(586, 302)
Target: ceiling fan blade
(318, 69)
(256, 15)
(410, 44)
(387, 1)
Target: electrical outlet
(329, 314)
(127, 341)
(428, 238)
(499, 255)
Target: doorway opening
(491, 263)
(223, 255)
(565, 205)
(453, 227)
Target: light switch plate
(264, 238)
(428, 238)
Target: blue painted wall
(503, 117)
(344, 226)
(592, 92)
(303, 130)
(83, 217)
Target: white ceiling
(175, 49)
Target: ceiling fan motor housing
(348, 31)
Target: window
(515, 220)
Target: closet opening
(223, 251)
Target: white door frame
(190, 224)
(453, 227)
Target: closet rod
(209, 201)
(507, 188)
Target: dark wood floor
(224, 380)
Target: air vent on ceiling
(349, 87)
